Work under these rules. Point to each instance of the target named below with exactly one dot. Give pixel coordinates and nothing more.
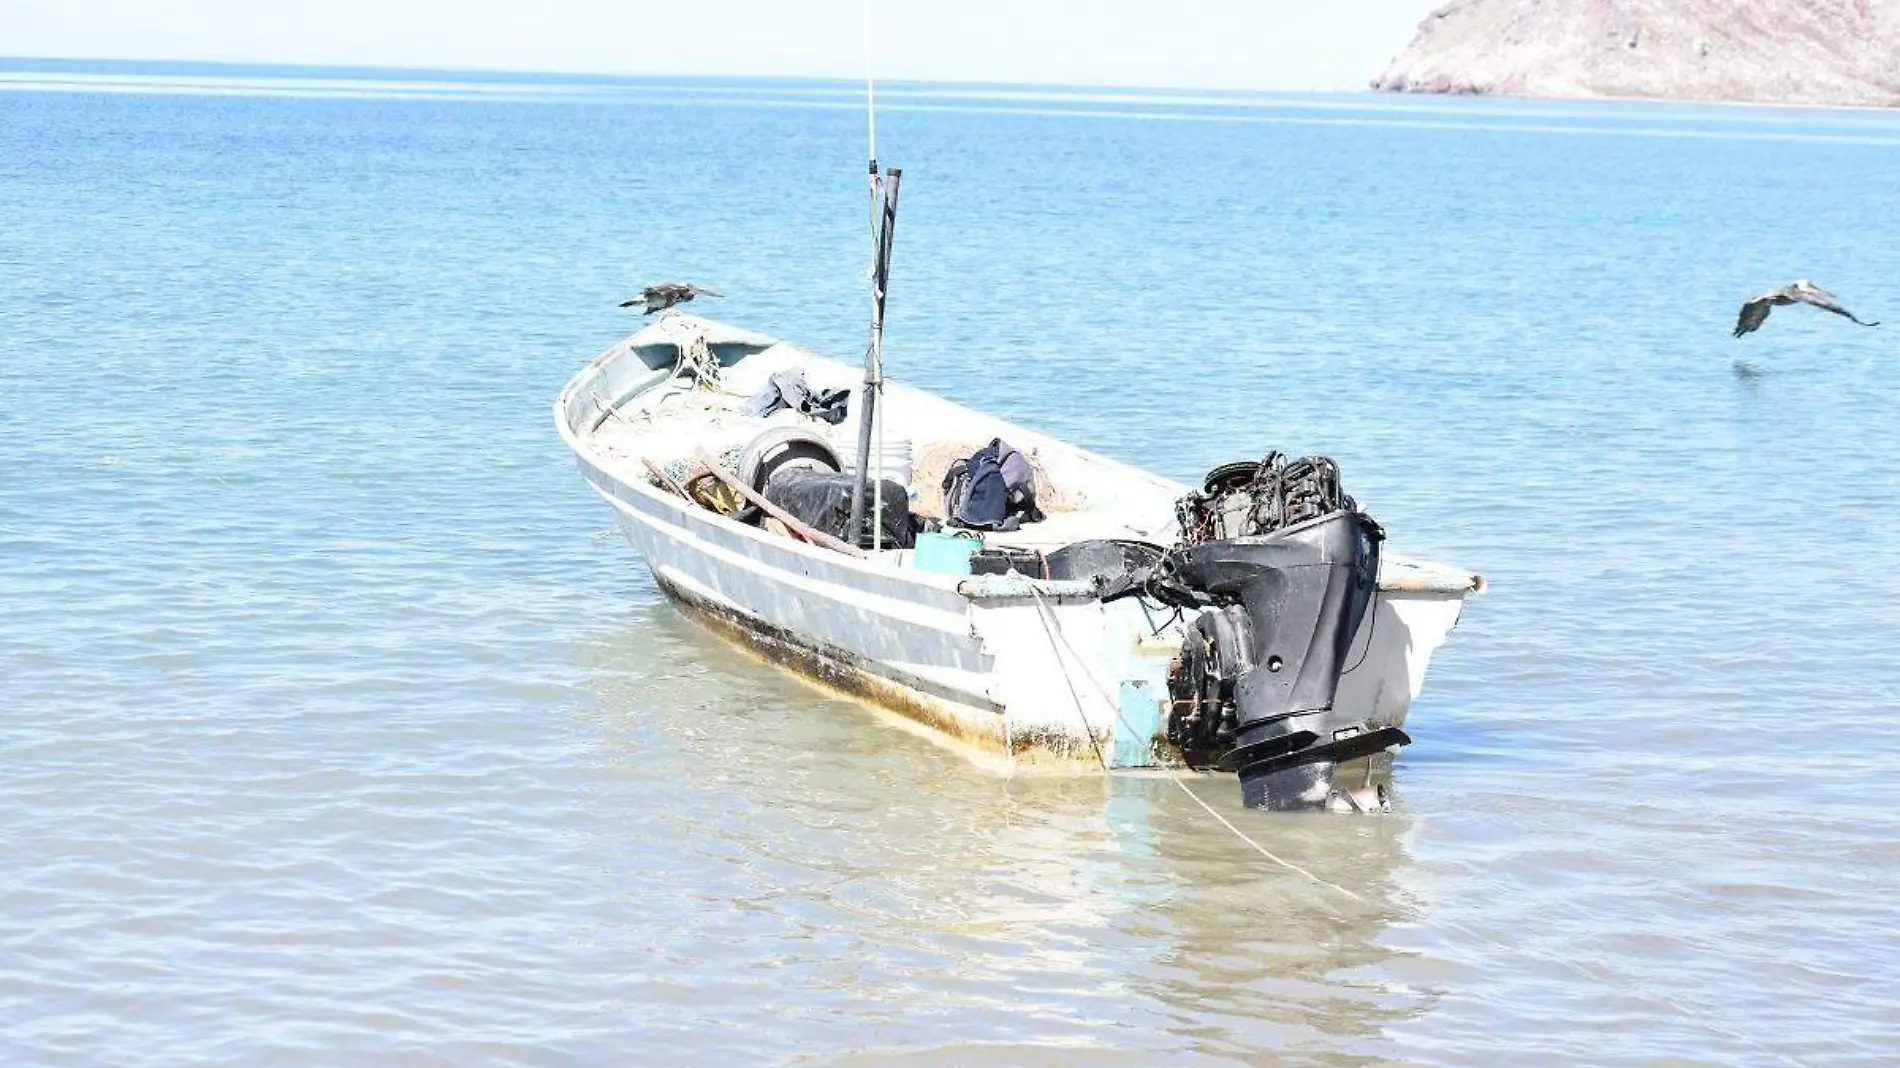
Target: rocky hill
(1763, 51)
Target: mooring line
(1262, 850)
(1054, 627)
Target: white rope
(1049, 620)
(1053, 628)
(695, 352)
(1258, 848)
(1451, 925)
(877, 467)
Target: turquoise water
(338, 726)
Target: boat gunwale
(1433, 578)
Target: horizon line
(1364, 88)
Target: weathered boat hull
(1032, 675)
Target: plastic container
(897, 459)
(944, 554)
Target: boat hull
(1016, 674)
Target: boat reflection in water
(788, 878)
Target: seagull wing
(1825, 301)
(1754, 313)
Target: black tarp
(822, 499)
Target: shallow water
(339, 727)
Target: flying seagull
(1755, 312)
(666, 295)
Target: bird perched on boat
(666, 295)
(1755, 312)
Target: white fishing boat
(1018, 669)
(1058, 610)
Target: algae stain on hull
(836, 673)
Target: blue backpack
(995, 489)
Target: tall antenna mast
(883, 225)
(870, 79)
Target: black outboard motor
(1289, 566)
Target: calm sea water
(338, 727)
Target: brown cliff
(1844, 52)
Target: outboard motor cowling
(1255, 682)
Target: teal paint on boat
(1140, 702)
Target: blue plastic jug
(945, 554)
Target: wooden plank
(792, 522)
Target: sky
(1231, 44)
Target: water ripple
(339, 728)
